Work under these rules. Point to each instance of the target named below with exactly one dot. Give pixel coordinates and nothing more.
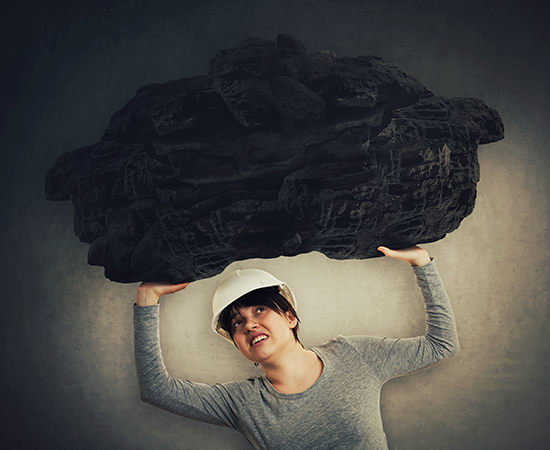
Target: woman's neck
(295, 372)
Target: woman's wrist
(146, 297)
(423, 259)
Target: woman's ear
(292, 320)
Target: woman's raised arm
(394, 357)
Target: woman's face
(261, 333)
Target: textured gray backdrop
(67, 374)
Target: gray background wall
(68, 378)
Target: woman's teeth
(258, 339)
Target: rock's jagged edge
(273, 152)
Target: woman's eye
(260, 309)
(236, 323)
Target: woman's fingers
(385, 250)
(415, 256)
(168, 288)
(150, 291)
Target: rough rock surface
(273, 152)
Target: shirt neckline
(294, 395)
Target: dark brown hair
(269, 296)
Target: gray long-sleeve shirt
(340, 411)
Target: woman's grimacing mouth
(258, 338)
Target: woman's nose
(251, 324)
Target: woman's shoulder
(339, 344)
(344, 341)
(347, 353)
(349, 345)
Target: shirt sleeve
(394, 357)
(210, 403)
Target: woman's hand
(415, 256)
(149, 292)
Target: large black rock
(273, 152)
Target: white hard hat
(239, 283)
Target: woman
(323, 398)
